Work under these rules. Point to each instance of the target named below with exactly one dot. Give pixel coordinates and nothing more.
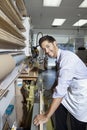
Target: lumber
(21, 6)
(13, 4)
(41, 107)
(7, 7)
(7, 37)
(8, 25)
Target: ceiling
(42, 17)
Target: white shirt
(72, 84)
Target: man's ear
(55, 43)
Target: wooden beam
(7, 7)
(8, 25)
(7, 37)
(13, 3)
(21, 6)
(41, 107)
(8, 45)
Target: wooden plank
(8, 45)
(8, 25)
(41, 107)
(21, 6)
(7, 8)
(28, 78)
(13, 3)
(7, 37)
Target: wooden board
(13, 4)
(7, 7)
(41, 107)
(21, 6)
(7, 37)
(8, 25)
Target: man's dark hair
(46, 38)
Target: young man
(71, 91)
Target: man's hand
(40, 119)
(43, 118)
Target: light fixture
(52, 3)
(81, 22)
(58, 22)
(83, 4)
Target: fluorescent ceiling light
(83, 4)
(81, 22)
(52, 3)
(58, 22)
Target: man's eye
(47, 46)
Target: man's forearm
(55, 104)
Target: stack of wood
(11, 25)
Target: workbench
(31, 74)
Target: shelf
(12, 41)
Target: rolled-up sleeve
(66, 74)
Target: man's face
(50, 48)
